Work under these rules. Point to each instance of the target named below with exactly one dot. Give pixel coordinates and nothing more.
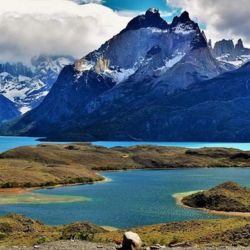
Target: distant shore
(179, 197)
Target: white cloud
(224, 18)
(88, 1)
(33, 27)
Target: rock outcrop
(228, 52)
(131, 241)
(228, 197)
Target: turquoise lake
(132, 198)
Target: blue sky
(142, 5)
(137, 5)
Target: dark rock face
(239, 46)
(8, 110)
(138, 85)
(226, 51)
(16, 69)
(224, 47)
(213, 110)
(152, 18)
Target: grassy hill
(228, 197)
(17, 230)
(49, 165)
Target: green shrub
(2, 235)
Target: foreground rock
(131, 241)
(228, 197)
(17, 231)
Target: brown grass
(49, 165)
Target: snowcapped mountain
(228, 52)
(152, 81)
(26, 86)
(147, 61)
(148, 47)
(47, 68)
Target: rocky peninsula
(227, 197)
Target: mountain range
(27, 85)
(228, 52)
(153, 81)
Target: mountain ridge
(121, 90)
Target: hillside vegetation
(17, 230)
(228, 197)
(49, 165)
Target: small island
(227, 197)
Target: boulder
(131, 241)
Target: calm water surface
(8, 142)
(133, 198)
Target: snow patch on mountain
(22, 90)
(120, 75)
(183, 29)
(170, 63)
(156, 30)
(27, 86)
(237, 62)
(227, 52)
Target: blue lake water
(8, 142)
(133, 198)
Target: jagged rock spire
(210, 44)
(151, 18)
(183, 18)
(152, 11)
(239, 44)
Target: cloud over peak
(55, 27)
(223, 18)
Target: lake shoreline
(179, 202)
(21, 190)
